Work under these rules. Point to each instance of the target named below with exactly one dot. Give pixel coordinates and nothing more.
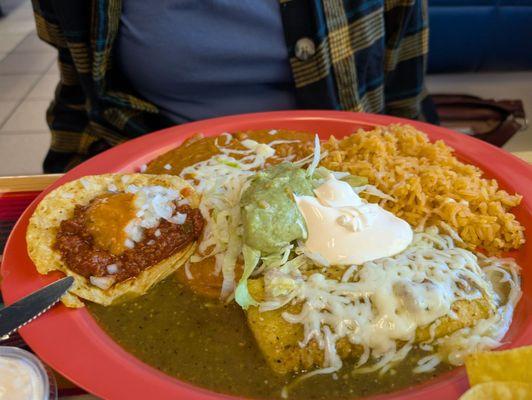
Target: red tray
(71, 342)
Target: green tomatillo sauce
(210, 345)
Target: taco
(116, 234)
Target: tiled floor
(28, 75)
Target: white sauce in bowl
(21, 378)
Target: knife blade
(30, 307)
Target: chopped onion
(153, 203)
(112, 269)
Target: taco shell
(59, 205)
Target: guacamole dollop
(270, 215)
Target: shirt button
(305, 48)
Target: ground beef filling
(81, 255)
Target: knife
(30, 307)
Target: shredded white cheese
(381, 303)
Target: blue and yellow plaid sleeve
(368, 55)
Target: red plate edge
(70, 340)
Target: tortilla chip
(59, 205)
(499, 391)
(505, 365)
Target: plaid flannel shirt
(344, 54)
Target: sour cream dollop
(344, 229)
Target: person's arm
(93, 108)
(406, 44)
(67, 114)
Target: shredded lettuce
(370, 189)
(242, 296)
(355, 180)
(321, 174)
(294, 264)
(229, 261)
(231, 164)
(282, 284)
(275, 260)
(316, 158)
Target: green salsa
(209, 344)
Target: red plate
(71, 342)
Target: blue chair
(480, 35)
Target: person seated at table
(129, 68)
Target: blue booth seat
(480, 35)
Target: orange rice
(430, 185)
